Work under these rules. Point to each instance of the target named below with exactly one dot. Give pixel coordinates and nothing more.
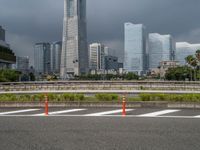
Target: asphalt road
(100, 132)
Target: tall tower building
(55, 54)
(42, 58)
(135, 48)
(161, 48)
(74, 60)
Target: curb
(101, 104)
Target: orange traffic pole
(124, 106)
(46, 106)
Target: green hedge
(41, 97)
(107, 97)
(171, 97)
(99, 97)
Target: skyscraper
(184, 49)
(74, 60)
(135, 48)
(161, 48)
(96, 56)
(55, 54)
(42, 58)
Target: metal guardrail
(100, 85)
(118, 82)
(101, 91)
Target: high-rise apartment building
(74, 60)
(184, 49)
(42, 58)
(2, 34)
(55, 57)
(96, 56)
(160, 48)
(135, 48)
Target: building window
(70, 8)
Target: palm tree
(192, 61)
(198, 59)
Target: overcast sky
(31, 21)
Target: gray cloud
(30, 21)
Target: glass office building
(184, 49)
(135, 48)
(55, 56)
(160, 48)
(42, 58)
(22, 64)
(74, 57)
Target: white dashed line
(18, 111)
(158, 113)
(60, 112)
(108, 112)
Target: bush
(171, 97)
(73, 97)
(8, 97)
(106, 97)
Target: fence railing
(100, 85)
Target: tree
(7, 75)
(179, 73)
(198, 55)
(192, 62)
(32, 76)
(131, 76)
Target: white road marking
(158, 113)
(60, 112)
(197, 116)
(18, 111)
(108, 112)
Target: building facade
(135, 48)
(74, 60)
(111, 63)
(160, 48)
(96, 56)
(184, 49)
(7, 56)
(42, 58)
(22, 64)
(55, 57)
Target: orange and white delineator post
(124, 106)
(46, 106)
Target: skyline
(25, 26)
